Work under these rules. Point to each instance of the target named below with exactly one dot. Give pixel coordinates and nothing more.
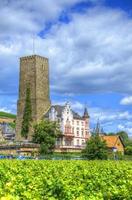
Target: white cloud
(125, 127)
(108, 115)
(4, 109)
(90, 54)
(25, 17)
(121, 127)
(126, 101)
(75, 105)
(9, 49)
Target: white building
(75, 129)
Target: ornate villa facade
(75, 128)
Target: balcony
(68, 134)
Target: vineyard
(65, 180)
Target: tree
(27, 116)
(12, 125)
(111, 133)
(95, 148)
(45, 134)
(128, 147)
(123, 135)
(128, 150)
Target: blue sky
(89, 46)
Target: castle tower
(86, 117)
(34, 71)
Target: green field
(7, 115)
(65, 180)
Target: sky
(89, 46)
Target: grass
(7, 115)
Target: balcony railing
(69, 134)
(70, 146)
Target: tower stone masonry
(34, 71)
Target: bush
(95, 149)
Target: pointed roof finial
(98, 128)
(85, 115)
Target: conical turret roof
(85, 115)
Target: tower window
(43, 67)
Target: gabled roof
(76, 115)
(111, 140)
(59, 110)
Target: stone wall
(6, 120)
(26, 149)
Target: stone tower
(34, 71)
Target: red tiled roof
(110, 140)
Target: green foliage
(95, 149)
(7, 115)
(128, 147)
(45, 134)
(65, 180)
(123, 135)
(12, 125)
(129, 142)
(110, 133)
(27, 116)
(128, 150)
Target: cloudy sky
(89, 46)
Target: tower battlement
(33, 57)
